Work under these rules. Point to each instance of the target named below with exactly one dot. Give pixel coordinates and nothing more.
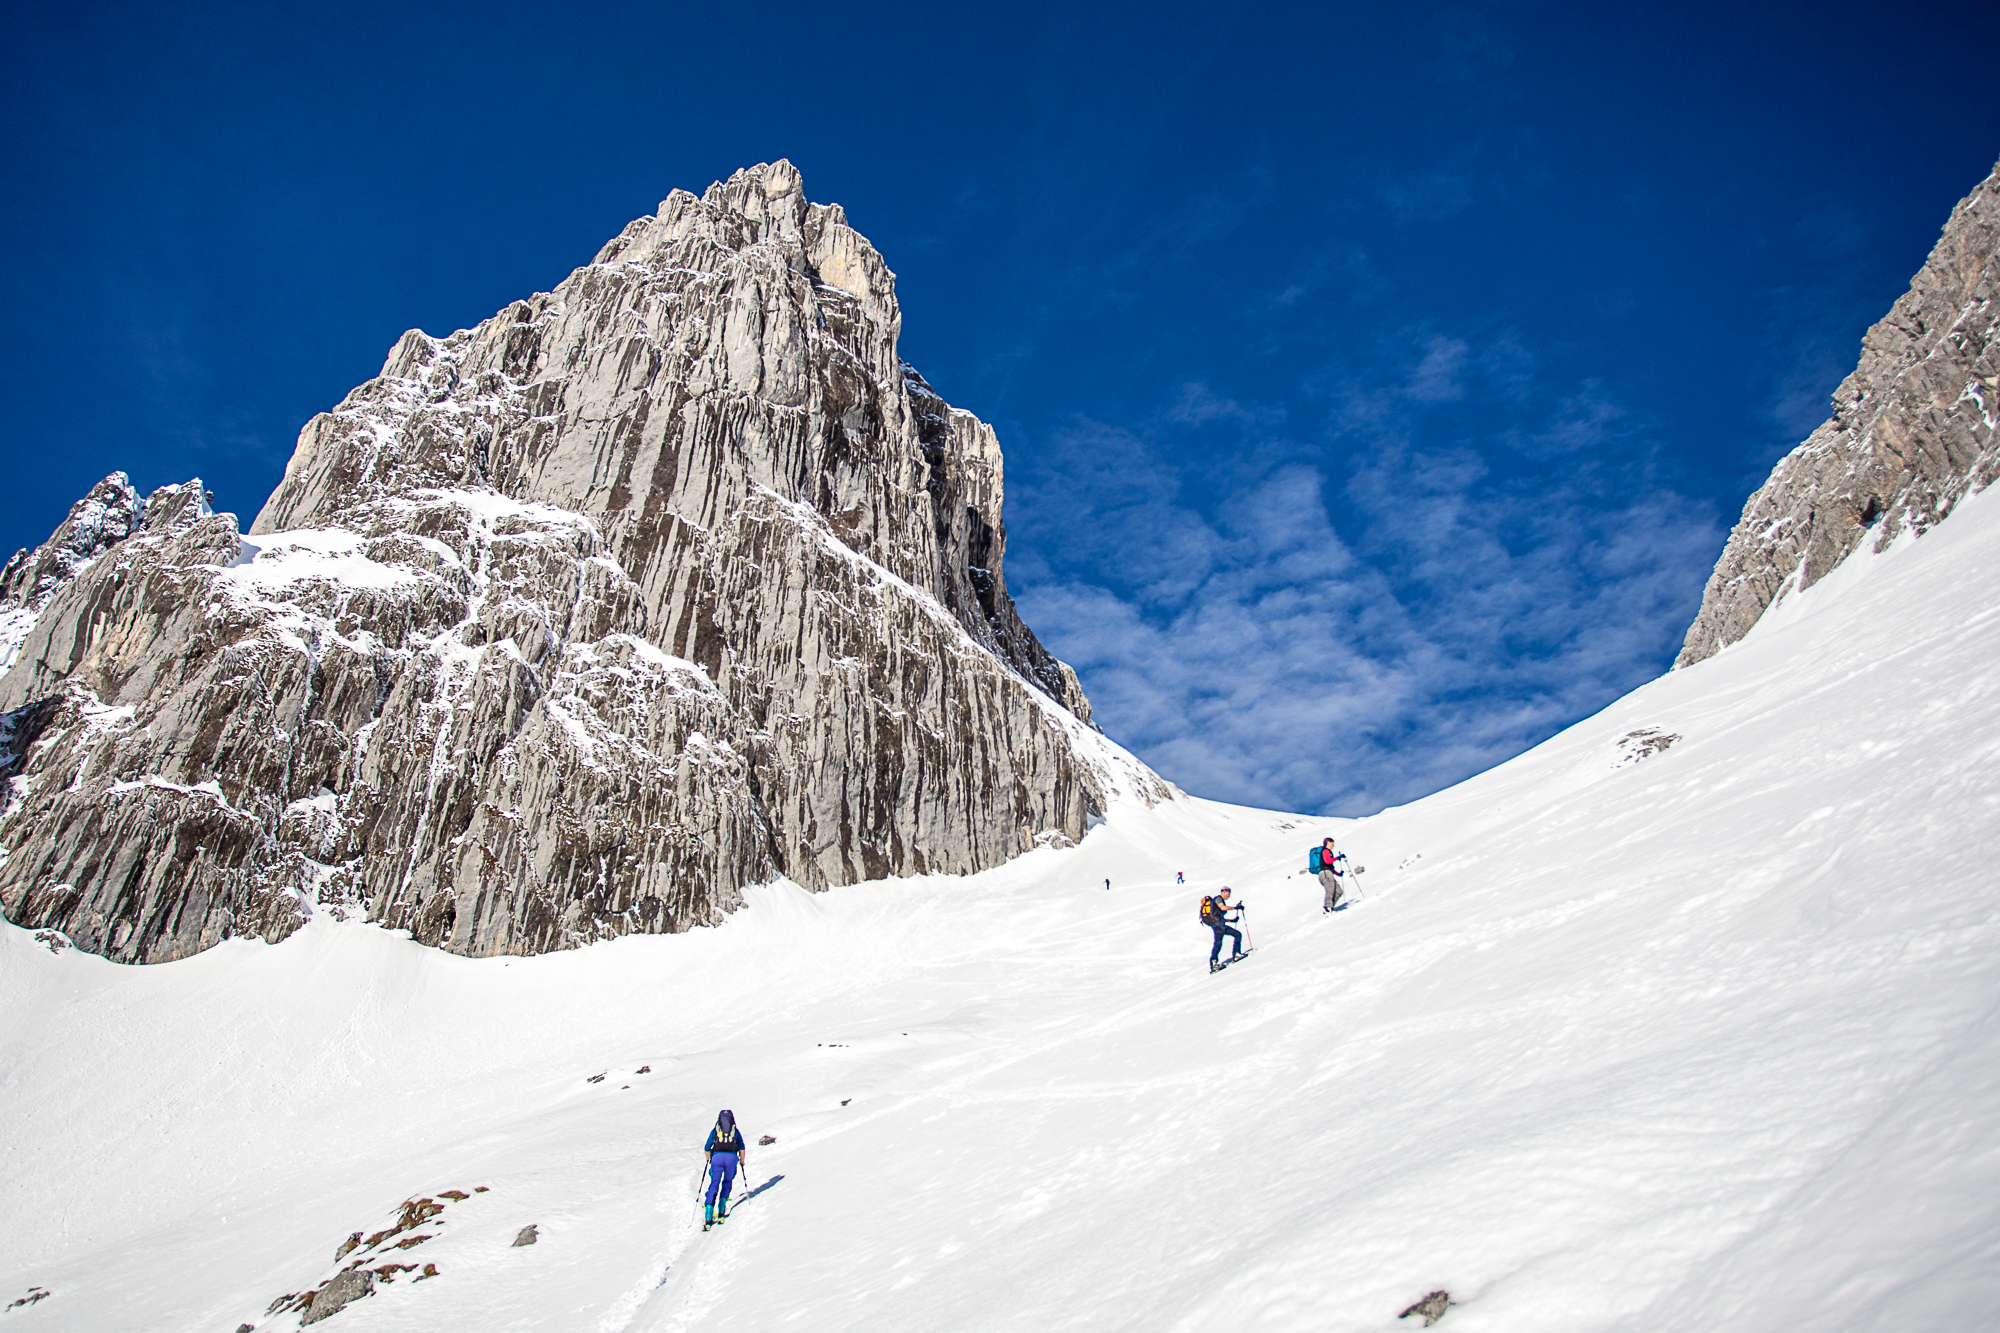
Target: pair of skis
(1231, 961)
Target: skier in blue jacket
(725, 1156)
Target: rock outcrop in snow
(1912, 433)
(566, 626)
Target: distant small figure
(1107, 886)
(1179, 878)
(725, 1155)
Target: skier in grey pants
(1329, 874)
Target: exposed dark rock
(336, 1295)
(1912, 433)
(528, 1236)
(1431, 1307)
(1643, 744)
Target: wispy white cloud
(1356, 630)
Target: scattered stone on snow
(52, 940)
(336, 1295)
(644, 1069)
(410, 1215)
(1643, 744)
(34, 1294)
(595, 1078)
(766, 1141)
(1431, 1307)
(529, 1234)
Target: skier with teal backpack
(1325, 862)
(725, 1157)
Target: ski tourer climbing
(1180, 877)
(1327, 861)
(725, 1157)
(1218, 914)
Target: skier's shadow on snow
(754, 1193)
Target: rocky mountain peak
(1911, 433)
(109, 513)
(567, 625)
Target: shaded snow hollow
(1658, 1034)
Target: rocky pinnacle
(661, 584)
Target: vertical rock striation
(569, 625)
(1912, 433)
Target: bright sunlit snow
(1700, 1037)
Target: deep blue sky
(1377, 385)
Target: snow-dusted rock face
(570, 625)
(1912, 433)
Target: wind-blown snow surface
(1704, 1040)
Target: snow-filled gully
(1684, 1035)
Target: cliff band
(570, 625)
(1912, 432)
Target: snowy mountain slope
(1628, 1033)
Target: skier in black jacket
(1225, 913)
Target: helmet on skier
(1226, 891)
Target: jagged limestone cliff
(1912, 432)
(662, 583)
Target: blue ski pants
(1235, 935)
(721, 1176)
